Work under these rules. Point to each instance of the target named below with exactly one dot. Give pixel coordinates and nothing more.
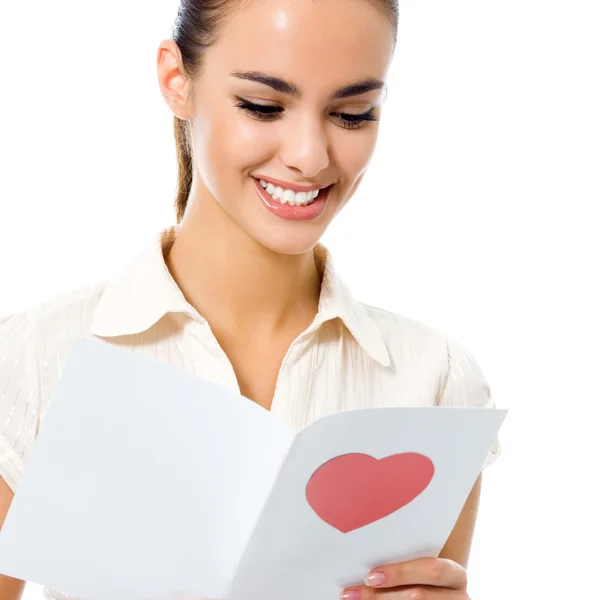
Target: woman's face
(307, 138)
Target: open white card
(146, 480)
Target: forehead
(318, 42)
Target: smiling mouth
(308, 209)
(288, 196)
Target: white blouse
(351, 356)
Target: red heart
(353, 490)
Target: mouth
(288, 196)
(292, 205)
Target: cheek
(352, 155)
(228, 144)
(243, 142)
(352, 158)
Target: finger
(438, 572)
(361, 592)
(409, 592)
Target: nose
(305, 147)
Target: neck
(234, 282)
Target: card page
(325, 526)
(144, 480)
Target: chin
(297, 242)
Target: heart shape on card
(354, 490)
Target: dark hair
(195, 29)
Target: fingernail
(375, 578)
(350, 595)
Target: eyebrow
(285, 87)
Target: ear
(173, 81)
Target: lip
(294, 213)
(290, 186)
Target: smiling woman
(304, 109)
(277, 106)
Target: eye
(268, 112)
(353, 121)
(263, 112)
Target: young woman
(276, 106)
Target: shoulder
(33, 344)
(397, 328)
(422, 348)
(66, 315)
(40, 337)
(406, 337)
(61, 316)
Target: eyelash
(264, 112)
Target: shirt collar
(145, 291)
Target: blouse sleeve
(465, 385)
(19, 395)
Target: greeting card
(146, 480)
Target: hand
(420, 579)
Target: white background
(482, 200)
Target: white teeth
(289, 196)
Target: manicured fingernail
(350, 595)
(375, 578)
